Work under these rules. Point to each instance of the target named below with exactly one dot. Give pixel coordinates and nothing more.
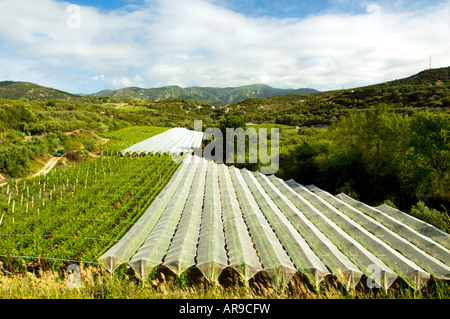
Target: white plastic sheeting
(322, 248)
(241, 252)
(211, 254)
(420, 226)
(155, 247)
(174, 141)
(410, 262)
(212, 216)
(274, 258)
(399, 229)
(305, 260)
(182, 250)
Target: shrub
(432, 216)
(90, 145)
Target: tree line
(377, 156)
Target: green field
(79, 212)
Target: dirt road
(48, 166)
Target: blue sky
(85, 46)
(287, 8)
(281, 9)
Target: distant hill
(211, 95)
(430, 77)
(439, 77)
(20, 90)
(429, 89)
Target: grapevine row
(79, 212)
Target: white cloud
(197, 42)
(123, 81)
(100, 77)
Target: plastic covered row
(274, 258)
(182, 250)
(408, 233)
(174, 141)
(305, 260)
(378, 272)
(428, 262)
(413, 274)
(155, 247)
(339, 265)
(242, 255)
(420, 226)
(211, 254)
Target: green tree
(429, 157)
(369, 152)
(15, 160)
(90, 145)
(231, 121)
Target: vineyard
(77, 213)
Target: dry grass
(96, 283)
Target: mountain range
(212, 95)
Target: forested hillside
(428, 90)
(35, 129)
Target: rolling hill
(216, 96)
(211, 95)
(428, 89)
(31, 91)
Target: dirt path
(3, 180)
(48, 166)
(52, 162)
